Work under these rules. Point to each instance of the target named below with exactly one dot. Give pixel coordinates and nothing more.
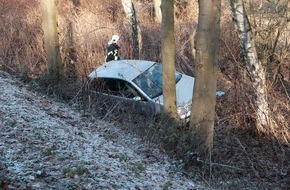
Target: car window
(116, 87)
(150, 81)
(104, 86)
(126, 90)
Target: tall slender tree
(204, 95)
(157, 11)
(254, 67)
(71, 56)
(168, 57)
(51, 40)
(136, 36)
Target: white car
(137, 84)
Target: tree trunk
(51, 41)
(136, 36)
(157, 11)
(71, 55)
(204, 94)
(254, 67)
(168, 57)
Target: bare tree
(254, 67)
(71, 58)
(204, 95)
(168, 57)
(51, 40)
(136, 36)
(71, 55)
(157, 10)
(270, 21)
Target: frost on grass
(47, 145)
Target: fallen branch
(252, 164)
(220, 165)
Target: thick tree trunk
(168, 57)
(204, 95)
(136, 32)
(254, 66)
(51, 41)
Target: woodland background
(85, 27)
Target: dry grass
(21, 45)
(93, 24)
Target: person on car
(113, 49)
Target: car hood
(184, 92)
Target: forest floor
(47, 144)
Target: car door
(123, 95)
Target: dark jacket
(112, 52)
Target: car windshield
(150, 81)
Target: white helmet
(115, 38)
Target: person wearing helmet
(113, 49)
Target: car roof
(121, 69)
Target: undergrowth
(239, 151)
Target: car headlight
(184, 112)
